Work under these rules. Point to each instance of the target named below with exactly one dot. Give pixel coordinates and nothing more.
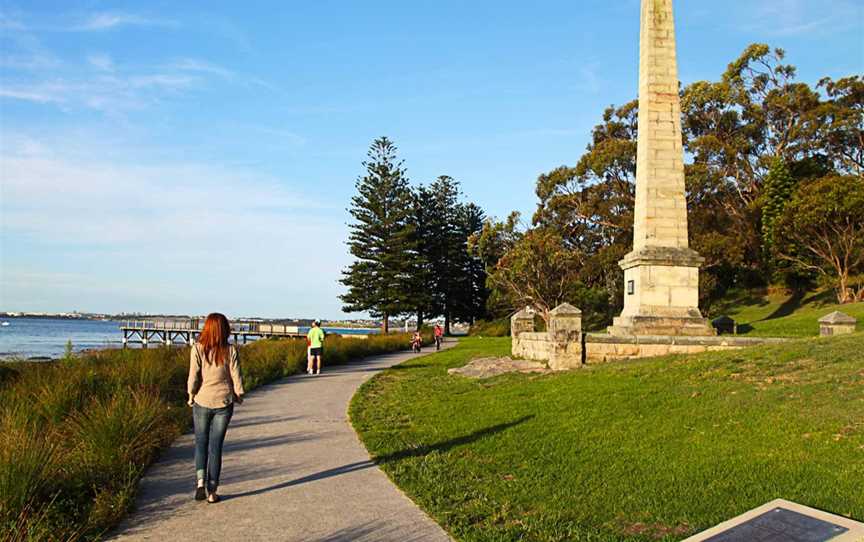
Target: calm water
(38, 337)
(28, 337)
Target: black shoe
(200, 493)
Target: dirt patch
(489, 367)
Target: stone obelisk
(661, 274)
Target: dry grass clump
(76, 435)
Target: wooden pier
(185, 331)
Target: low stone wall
(600, 347)
(566, 347)
(533, 346)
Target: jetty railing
(185, 331)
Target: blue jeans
(211, 424)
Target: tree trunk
(419, 319)
(385, 324)
(447, 323)
(844, 295)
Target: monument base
(661, 294)
(691, 326)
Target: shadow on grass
(396, 456)
(825, 297)
(398, 368)
(406, 367)
(746, 298)
(452, 443)
(787, 307)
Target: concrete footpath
(293, 469)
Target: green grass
(76, 435)
(643, 450)
(782, 315)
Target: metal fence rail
(184, 331)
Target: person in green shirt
(315, 340)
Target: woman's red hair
(214, 338)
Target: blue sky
(187, 157)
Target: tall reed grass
(77, 434)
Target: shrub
(493, 328)
(27, 464)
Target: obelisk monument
(661, 274)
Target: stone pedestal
(661, 294)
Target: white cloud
(201, 66)
(21, 50)
(803, 28)
(278, 136)
(43, 93)
(8, 22)
(31, 72)
(101, 61)
(28, 62)
(166, 81)
(109, 20)
(105, 91)
(797, 17)
(196, 235)
(70, 200)
(107, 86)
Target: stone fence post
(521, 322)
(836, 323)
(565, 334)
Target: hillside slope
(782, 315)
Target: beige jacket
(211, 385)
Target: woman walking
(215, 384)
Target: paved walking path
(293, 469)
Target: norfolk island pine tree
(382, 239)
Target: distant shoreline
(4, 316)
(302, 322)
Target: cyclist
(416, 341)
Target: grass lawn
(781, 315)
(642, 450)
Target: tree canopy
(755, 141)
(382, 238)
(410, 246)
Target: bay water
(47, 337)
(26, 338)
